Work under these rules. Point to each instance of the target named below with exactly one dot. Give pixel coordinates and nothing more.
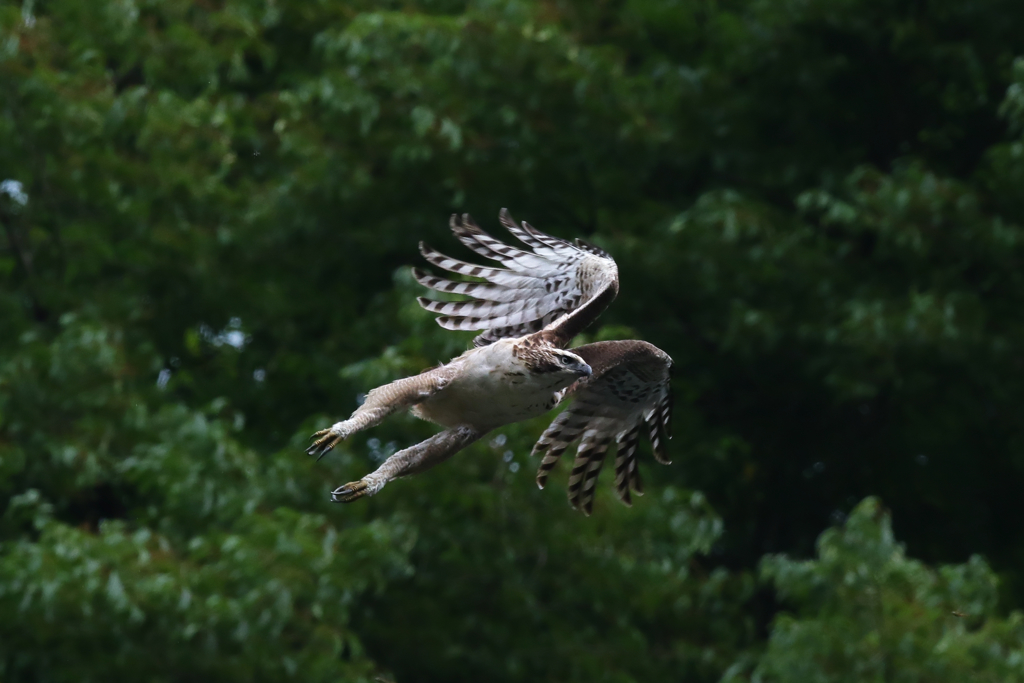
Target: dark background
(208, 210)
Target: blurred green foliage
(865, 612)
(207, 210)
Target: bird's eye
(566, 360)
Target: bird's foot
(326, 440)
(353, 490)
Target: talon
(324, 445)
(349, 492)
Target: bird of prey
(520, 367)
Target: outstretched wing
(628, 391)
(553, 285)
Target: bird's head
(549, 361)
(567, 364)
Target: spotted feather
(628, 390)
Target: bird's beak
(586, 370)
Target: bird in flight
(528, 313)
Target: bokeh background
(208, 209)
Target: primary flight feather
(527, 312)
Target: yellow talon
(351, 491)
(324, 444)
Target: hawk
(520, 367)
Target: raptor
(521, 366)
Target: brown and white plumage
(527, 311)
(627, 393)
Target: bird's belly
(490, 399)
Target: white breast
(492, 388)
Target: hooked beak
(586, 370)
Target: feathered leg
(413, 460)
(380, 403)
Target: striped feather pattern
(628, 392)
(659, 428)
(537, 288)
(586, 467)
(626, 473)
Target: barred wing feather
(629, 392)
(553, 284)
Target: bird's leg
(412, 460)
(327, 439)
(380, 403)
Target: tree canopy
(208, 210)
